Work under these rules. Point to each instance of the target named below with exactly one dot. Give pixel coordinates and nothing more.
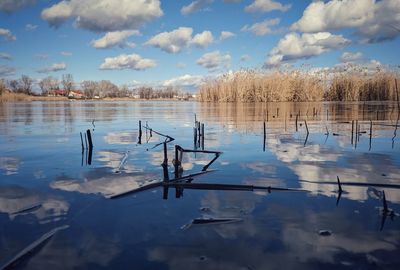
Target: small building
(76, 94)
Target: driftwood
(31, 248)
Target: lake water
(47, 182)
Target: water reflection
(279, 229)
(18, 201)
(9, 165)
(100, 182)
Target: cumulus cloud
(349, 57)
(261, 28)
(225, 35)
(103, 15)
(266, 6)
(7, 35)
(179, 39)
(214, 60)
(294, 46)
(14, 5)
(112, 39)
(53, 68)
(30, 27)
(5, 56)
(6, 71)
(374, 21)
(203, 39)
(172, 42)
(195, 6)
(185, 81)
(127, 61)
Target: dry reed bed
(254, 86)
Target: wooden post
(370, 134)
(277, 112)
(265, 136)
(81, 141)
(297, 116)
(202, 136)
(352, 130)
(140, 132)
(165, 154)
(327, 113)
(176, 165)
(195, 135)
(89, 139)
(305, 122)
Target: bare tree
(67, 82)
(48, 85)
(26, 84)
(14, 85)
(2, 86)
(89, 88)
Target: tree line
(51, 86)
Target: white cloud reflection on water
(14, 200)
(104, 183)
(9, 165)
(317, 164)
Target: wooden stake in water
(89, 138)
(352, 130)
(81, 141)
(370, 134)
(305, 122)
(297, 116)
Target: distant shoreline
(16, 97)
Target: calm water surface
(46, 182)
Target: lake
(49, 184)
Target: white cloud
(374, 21)
(14, 5)
(203, 39)
(53, 68)
(245, 57)
(66, 53)
(104, 15)
(214, 60)
(195, 6)
(30, 27)
(112, 39)
(172, 42)
(186, 81)
(6, 71)
(5, 56)
(179, 39)
(266, 6)
(225, 35)
(294, 46)
(261, 28)
(349, 57)
(7, 35)
(128, 61)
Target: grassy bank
(10, 97)
(255, 86)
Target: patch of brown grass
(256, 86)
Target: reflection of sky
(105, 184)
(279, 229)
(15, 199)
(9, 165)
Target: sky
(180, 42)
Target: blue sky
(179, 42)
